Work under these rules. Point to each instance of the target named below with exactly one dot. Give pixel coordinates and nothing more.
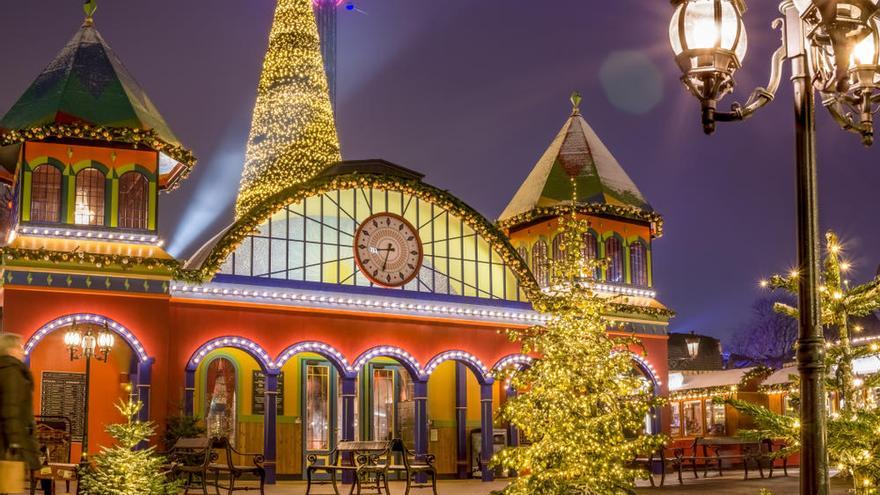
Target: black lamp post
(87, 346)
(832, 49)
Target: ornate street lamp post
(693, 345)
(87, 346)
(832, 48)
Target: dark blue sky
(471, 92)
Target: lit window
(716, 419)
(638, 261)
(558, 252)
(614, 255)
(675, 425)
(590, 251)
(46, 194)
(539, 264)
(317, 408)
(693, 418)
(89, 197)
(133, 201)
(220, 399)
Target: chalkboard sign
(64, 394)
(258, 400)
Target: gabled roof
(87, 84)
(576, 152)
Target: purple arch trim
(67, 320)
(246, 345)
(396, 353)
(324, 350)
(518, 361)
(483, 374)
(648, 370)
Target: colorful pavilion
(348, 300)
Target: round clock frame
(360, 263)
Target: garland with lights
(125, 135)
(293, 134)
(82, 258)
(630, 212)
(753, 377)
(852, 441)
(581, 403)
(721, 391)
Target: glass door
(391, 408)
(319, 384)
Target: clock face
(388, 250)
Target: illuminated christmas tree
(582, 405)
(123, 469)
(293, 136)
(853, 441)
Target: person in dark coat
(17, 424)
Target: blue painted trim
(373, 291)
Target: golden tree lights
(293, 135)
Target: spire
(293, 136)
(89, 7)
(576, 157)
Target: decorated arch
(404, 358)
(248, 346)
(481, 372)
(89, 318)
(326, 351)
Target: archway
(60, 382)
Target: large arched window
(46, 194)
(133, 201)
(558, 250)
(590, 251)
(539, 264)
(614, 255)
(638, 262)
(89, 197)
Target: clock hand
(387, 253)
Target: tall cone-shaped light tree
(293, 134)
(854, 433)
(581, 406)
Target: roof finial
(576, 103)
(89, 7)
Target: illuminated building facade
(359, 303)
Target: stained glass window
(133, 201)
(46, 194)
(614, 255)
(89, 209)
(638, 262)
(539, 264)
(313, 241)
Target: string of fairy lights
(293, 134)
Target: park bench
(223, 464)
(657, 463)
(190, 458)
(363, 459)
(413, 467)
(714, 452)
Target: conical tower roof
(576, 152)
(293, 134)
(87, 85)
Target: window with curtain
(590, 251)
(220, 399)
(89, 209)
(614, 255)
(539, 264)
(46, 194)
(133, 201)
(638, 262)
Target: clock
(387, 249)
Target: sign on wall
(258, 399)
(64, 394)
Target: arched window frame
(540, 259)
(85, 194)
(42, 191)
(557, 251)
(131, 215)
(638, 263)
(590, 249)
(615, 253)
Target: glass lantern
(709, 40)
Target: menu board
(64, 394)
(258, 400)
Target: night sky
(471, 92)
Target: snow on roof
(707, 379)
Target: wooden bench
(412, 466)
(660, 460)
(223, 463)
(53, 437)
(714, 452)
(190, 457)
(362, 459)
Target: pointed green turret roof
(576, 152)
(87, 85)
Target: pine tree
(123, 469)
(582, 406)
(854, 433)
(293, 134)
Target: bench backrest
(193, 451)
(362, 446)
